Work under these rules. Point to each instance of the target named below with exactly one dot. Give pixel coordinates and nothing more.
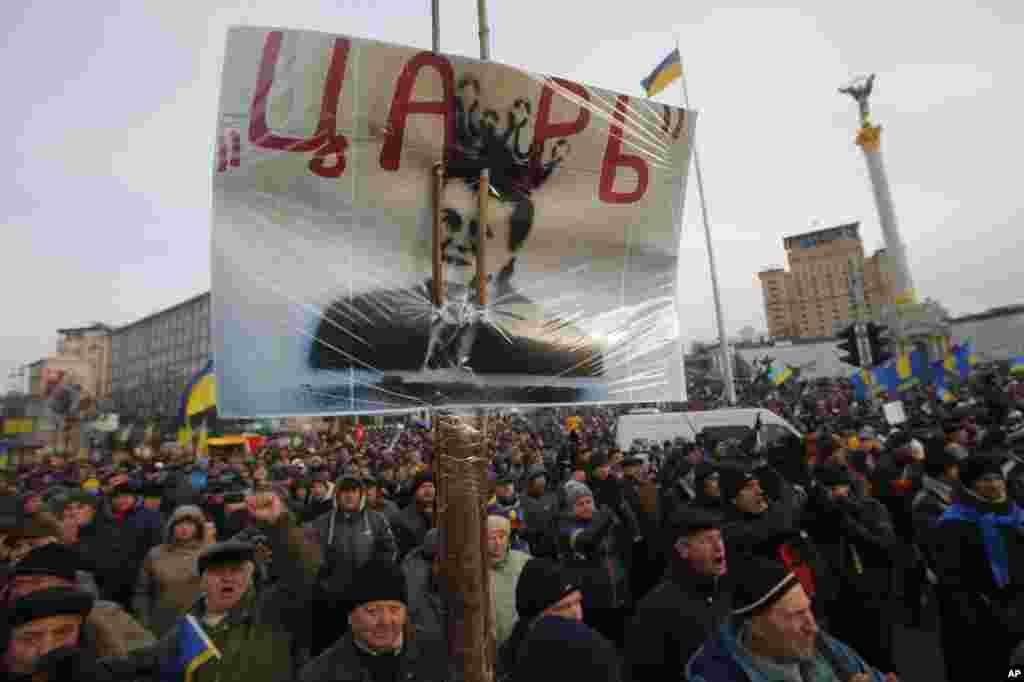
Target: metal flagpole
(730, 386)
(485, 31)
(435, 13)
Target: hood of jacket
(182, 513)
(723, 658)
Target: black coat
(767, 534)
(113, 551)
(857, 540)
(673, 621)
(424, 658)
(410, 527)
(981, 622)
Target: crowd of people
(719, 560)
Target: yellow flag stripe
(664, 78)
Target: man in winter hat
(758, 525)
(506, 566)
(978, 548)
(540, 506)
(108, 629)
(380, 645)
(855, 535)
(168, 583)
(773, 634)
(40, 637)
(346, 538)
(413, 522)
(597, 559)
(688, 605)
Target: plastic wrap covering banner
(326, 204)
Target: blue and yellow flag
(200, 395)
(669, 70)
(1017, 366)
(193, 648)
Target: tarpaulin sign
(323, 215)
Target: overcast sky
(111, 108)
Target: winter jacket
(316, 508)
(113, 550)
(504, 577)
(775, 534)
(410, 527)
(346, 540)
(971, 599)
(263, 638)
(601, 569)
(673, 621)
(723, 659)
(168, 582)
(857, 541)
(935, 497)
(541, 531)
(426, 608)
(423, 659)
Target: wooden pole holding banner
(463, 520)
(437, 274)
(462, 464)
(481, 240)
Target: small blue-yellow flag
(670, 69)
(193, 648)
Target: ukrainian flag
(669, 70)
(1017, 366)
(193, 649)
(201, 393)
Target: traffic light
(878, 342)
(849, 345)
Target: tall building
(819, 292)
(154, 358)
(91, 346)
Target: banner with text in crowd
(323, 215)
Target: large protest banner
(323, 217)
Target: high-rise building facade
(828, 277)
(91, 346)
(154, 358)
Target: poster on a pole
(323, 220)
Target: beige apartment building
(822, 288)
(83, 356)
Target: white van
(657, 427)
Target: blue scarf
(989, 523)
